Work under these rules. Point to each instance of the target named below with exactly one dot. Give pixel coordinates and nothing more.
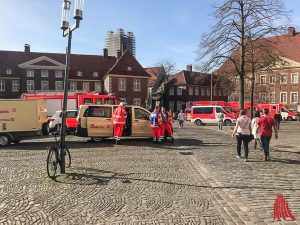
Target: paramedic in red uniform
(119, 120)
(166, 124)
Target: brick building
(30, 72)
(188, 85)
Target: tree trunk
(252, 95)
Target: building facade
(119, 41)
(32, 72)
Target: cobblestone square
(196, 180)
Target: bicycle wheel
(68, 158)
(52, 162)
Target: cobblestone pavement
(196, 180)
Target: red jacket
(120, 115)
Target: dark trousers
(245, 140)
(220, 125)
(180, 123)
(277, 124)
(265, 142)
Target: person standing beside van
(155, 121)
(119, 120)
(165, 124)
(242, 130)
(220, 118)
(181, 118)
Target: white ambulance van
(22, 119)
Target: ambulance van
(22, 119)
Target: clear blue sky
(164, 29)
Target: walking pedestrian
(119, 120)
(242, 131)
(220, 118)
(155, 121)
(165, 126)
(181, 118)
(265, 124)
(255, 131)
(277, 118)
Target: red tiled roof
(125, 61)
(153, 72)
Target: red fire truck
(282, 108)
(54, 101)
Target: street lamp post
(67, 31)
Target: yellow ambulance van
(20, 119)
(96, 121)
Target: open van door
(141, 126)
(99, 121)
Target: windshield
(229, 109)
(284, 110)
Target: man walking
(265, 124)
(181, 118)
(155, 120)
(277, 118)
(119, 119)
(220, 118)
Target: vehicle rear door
(141, 126)
(71, 119)
(99, 121)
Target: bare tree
(227, 44)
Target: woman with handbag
(242, 131)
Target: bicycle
(54, 157)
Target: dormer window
(9, 71)
(44, 73)
(129, 68)
(79, 73)
(95, 74)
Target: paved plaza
(196, 180)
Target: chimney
(105, 52)
(291, 31)
(26, 48)
(119, 53)
(189, 68)
(124, 47)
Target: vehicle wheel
(4, 140)
(97, 139)
(52, 162)
(16, 141)
(45, 129)
(227, 122)
(198, 123)
(289, 118)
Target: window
(262, 97)
(137, 101)
(141, 114)
(122, 84)
(283, 97)
(73, 86)
(136, 85)
(179, 105)
(98, 87)
(88, 100)
(95, 74)
(294, 78)
(294, 97)
(171, 91)
(100, 111)
(44, 85)
(220, 92)
(9, 71)
(208, 91)
(203, 110)
(79, 73)
(283, 79)
(191, 91)
(171, 105)
(58, 85)
(15, 85)
(30, 85)
(30, 73)
(272, 97)
(129, 68)
(85, 86)
(2, 85)
(72, 114)
(215, 92)
(219, 109)
(196, 90)
(272, 79)
(179, 90)
(202, 91)
(44, 73)
(263, 79)
(58, 74)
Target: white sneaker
(238, 156)
(245, 160)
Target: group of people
(161, 124)
(259, 129)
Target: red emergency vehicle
(282, 108)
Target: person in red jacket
(166, 124)
(119, 120)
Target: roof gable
(128, 65)
(42, 62)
